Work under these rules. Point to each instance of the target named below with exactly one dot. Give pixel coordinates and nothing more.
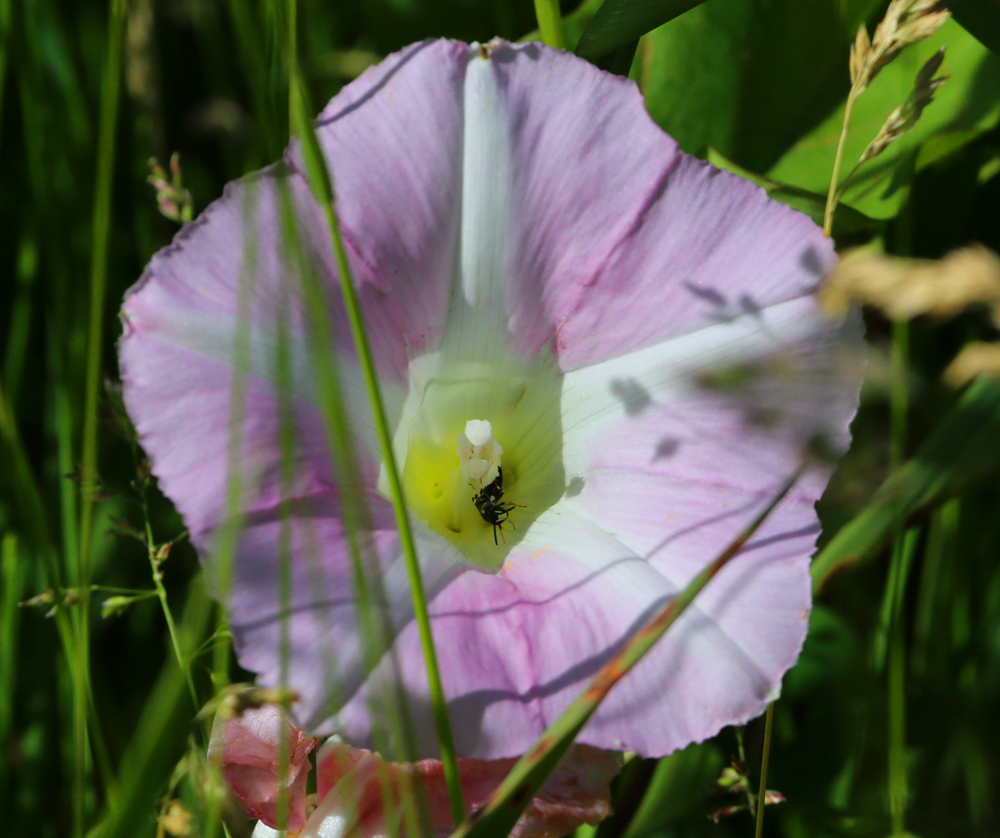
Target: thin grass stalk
(500, 812)
(940, 542)
(11, 585)
(550, 23)
(376, 633)
(252, 53)
(101, 234)
(19, 324)
(903, 548)
(765, 758)
(833, 195)
(161, 595)
(898, 781)
(6, 18)
(286, 434)
(229, 532)
(322, 188)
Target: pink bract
(353, 784)
(513, 207)
(248, 747)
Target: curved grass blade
(963, 448)
(503, 808)
(620, 22)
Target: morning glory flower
(546, 280)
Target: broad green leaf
(849, 224)
(968, 102)
(963, 448)
(981, 18)
(749, 78)
(619, 22)
(677, 789)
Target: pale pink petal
(251, 763)
(392, 142)
(325, 652)
(602, 234)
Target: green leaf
(969, 102)
(676, 790)
(981, 18)
(962, 449)
(619, 22)
(749, 78)
(849, 224)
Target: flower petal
(392, 142)
(607, 238)
(177, 355)
(325, 657)
(251, 757)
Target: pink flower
(353, 784)
(545, 277)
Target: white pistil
(479, 453)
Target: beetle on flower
(544, 276)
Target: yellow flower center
(457, 423)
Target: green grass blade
(550, 23)
(323, 189)
(503, 808)
(101, 235)
(962, 449)
(11, 584)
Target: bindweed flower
(544, 276)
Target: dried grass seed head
(907, 288)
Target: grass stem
(833, 196)
(550, 23)
(323, 190)
(765, 758)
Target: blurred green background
(756, 84)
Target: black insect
(489, 502)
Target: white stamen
(479, 453)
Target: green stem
(323, 190)
(900, 396)
(902, 553)
(550, 23)
(499, 814)
(832, 196)
(161, 593)
(765, 758)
